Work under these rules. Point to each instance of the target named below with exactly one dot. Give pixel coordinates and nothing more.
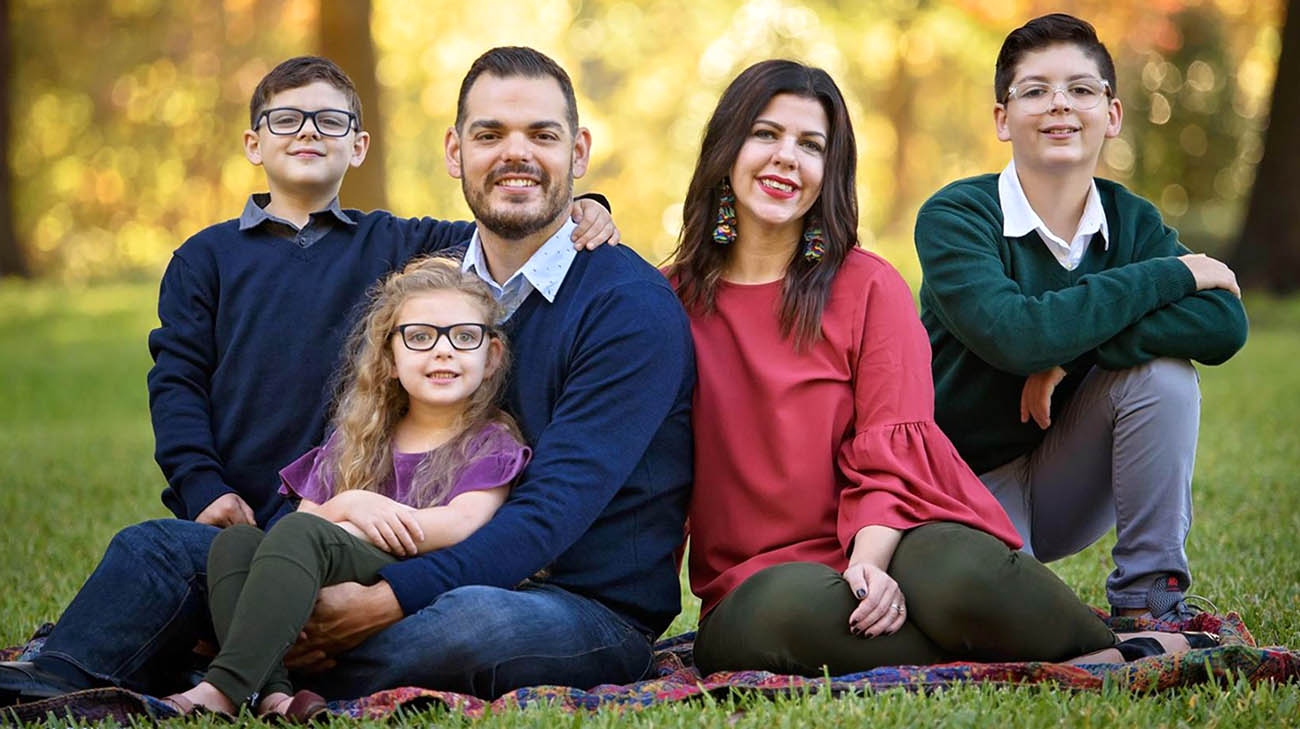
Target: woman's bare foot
(1173, 643)
(276, 703)
(207, 696)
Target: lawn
(76, 464)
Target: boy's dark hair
(301, 71)
(1050, 30)
(507, 61)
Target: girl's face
(777, 174)
(442, 379)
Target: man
(601, 386)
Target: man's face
(306, 162)
(1063, 135)
(515, 154)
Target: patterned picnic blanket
(677, 679)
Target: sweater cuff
(200, 490)
(1174, 281)
(597, 198)
(409, 584)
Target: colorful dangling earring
(814, 242)
(725, 230)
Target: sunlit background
(126, 114)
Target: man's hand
(595, 225)
(1211, 273)
(1036, 397)
(881, 609)
(345, 615)
(226, 510)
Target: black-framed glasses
(1036, 97)
(286, 120)
(463, 337)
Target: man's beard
(507, 222)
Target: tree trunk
(1268, 252)
(12, 260)
(345, 39)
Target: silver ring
(897, 608)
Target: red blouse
(794, 453)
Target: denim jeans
(140, 613)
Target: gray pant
(1120, 453)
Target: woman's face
(777, 174)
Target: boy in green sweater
(1062, 314)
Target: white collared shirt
(543, 272)
(1018, 218)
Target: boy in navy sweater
(253, 314)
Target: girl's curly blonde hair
(371, 401)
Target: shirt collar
(255, 214)
(1019, 218)
(544, 270)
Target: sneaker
(1167, 602)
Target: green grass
(76, 465)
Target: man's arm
(184, 352)
(974, 296)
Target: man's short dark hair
(1050, 30)
(302, 71)
(507, 61)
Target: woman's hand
(385, 523)
(881, 609)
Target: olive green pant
(969, 598)
(262, 588)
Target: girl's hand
(881, 609)
(595, 225)
(352, 529)
(385, 523)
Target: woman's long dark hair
(698, 262)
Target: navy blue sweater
(252, 327)
(601, 385)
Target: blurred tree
(345, 38)
(1268, 252)
(12, 260)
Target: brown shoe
(306, 707)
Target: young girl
(420, 457)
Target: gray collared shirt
(318, 224)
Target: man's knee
(173, 542)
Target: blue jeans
(138, 616)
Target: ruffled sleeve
(306, 477)
(498, 461)
(902, 470)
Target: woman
(833, 525)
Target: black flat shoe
(22, 682)
(1136, 648)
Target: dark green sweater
(999, 309)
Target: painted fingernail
(861, 593)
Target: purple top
(499, 459)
